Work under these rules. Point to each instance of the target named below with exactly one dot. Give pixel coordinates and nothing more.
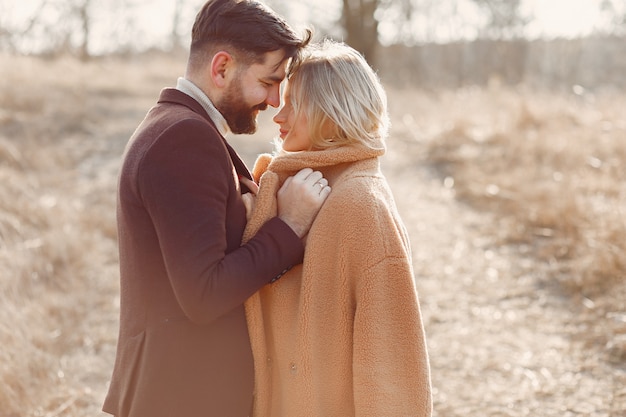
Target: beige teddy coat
(341, 334)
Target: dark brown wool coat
(183, 348)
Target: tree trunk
(361, 27)
(83, 15)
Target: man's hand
(252, 186)
(300, 199)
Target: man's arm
(186, 183)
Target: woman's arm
(391, 370)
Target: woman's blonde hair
(340, 95)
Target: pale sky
(563, 17)
(553, 18)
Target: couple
(223, 311)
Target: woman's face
(294, 130)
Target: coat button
(293, 368)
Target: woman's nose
(278, 117)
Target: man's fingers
(252, 186)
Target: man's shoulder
(175, 107)
(176, 114)
(170, 116)
(172, 127)
(176, 98)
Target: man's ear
(221, 66)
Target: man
(183, 347)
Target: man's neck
(191, 89)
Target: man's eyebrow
(273, 78)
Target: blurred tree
(82, 12)
(175, 35)
(406, 19)
(182, 21)
(50, 27)
(11, 32)
(77, 27)
(361, 26)
(430, 20)
(505, 20)
(615, 14)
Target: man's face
(251, 90)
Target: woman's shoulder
(360, 198)
(361, 213)
(364, 186)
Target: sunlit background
(507, 159)
(34, 26)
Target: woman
(340, 334)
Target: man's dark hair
(246, 28)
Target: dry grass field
(515, 201)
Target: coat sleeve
(186, 182)
(390, 360)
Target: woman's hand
(300, 198)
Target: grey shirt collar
(197, 94)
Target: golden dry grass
(62, 127)
(547, 171)
(541, 253)
(552, 167)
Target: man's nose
(273, 97)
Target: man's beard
(240, 118)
